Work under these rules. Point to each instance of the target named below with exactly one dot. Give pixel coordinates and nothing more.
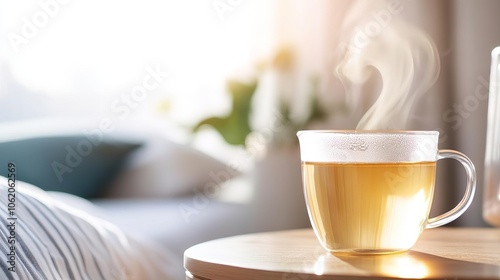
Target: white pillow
(163, 168)
(54, 240)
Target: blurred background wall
(88, 59)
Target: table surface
(442, 253)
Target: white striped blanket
(46, 238)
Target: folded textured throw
(46, 238)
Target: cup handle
(469, 190)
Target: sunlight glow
(100, 48)
(405, 267)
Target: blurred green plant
(235, 127)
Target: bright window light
(91, 52)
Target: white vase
(278, 201)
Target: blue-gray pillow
(73, 164)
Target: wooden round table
(443, 253)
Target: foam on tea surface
(368, 146)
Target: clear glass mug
(370, 192)
(491, 199)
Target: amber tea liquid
(368, 207)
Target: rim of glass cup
(408, 132)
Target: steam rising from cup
(405, 58)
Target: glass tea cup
(370, 192)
